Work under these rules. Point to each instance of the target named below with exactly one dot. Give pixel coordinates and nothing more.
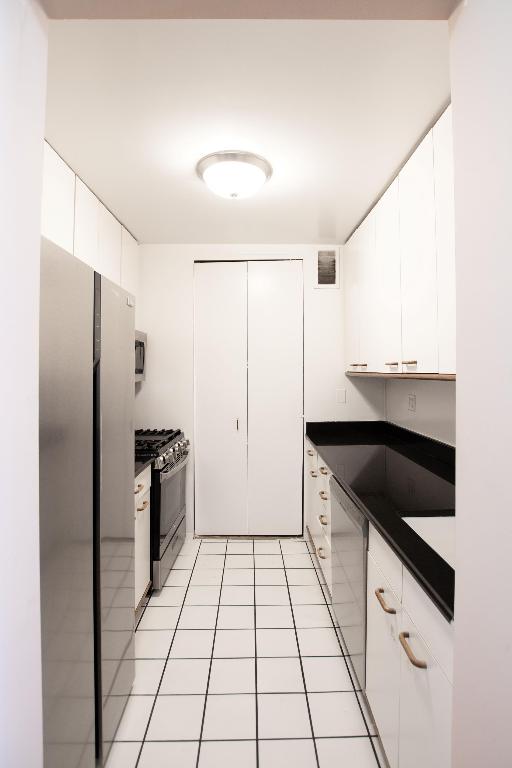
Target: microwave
(141, 343)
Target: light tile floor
(239, 664)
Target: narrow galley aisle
(239, 663)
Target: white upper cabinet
(86, 225)
(129, 262)
(58, 202)
(418, 261)
(352, 307)
(358, 265)
(445, 240)
(387, 356)
(109, 245)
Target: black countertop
(140, 466)
(392, 474)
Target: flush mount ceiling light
(234, 174)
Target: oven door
(172, 501)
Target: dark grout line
(256, 663)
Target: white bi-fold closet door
(248, 358)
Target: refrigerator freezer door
(66, 503)
(116, 524)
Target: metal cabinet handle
(323, 519)
(378, 594)
(313, 473)
(324, 470)
(145, 505)
(360, 365)
(323, 495)
(403, 637)
(139, 488)
(310, 452)
(409, 362)
(320, 553)
(395, 363)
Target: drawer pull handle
(324, 470)
(395, 363)
(320, 553)
(323, 519)
(403, 637)
(409, 362)
(360, 365)
(323, 495)
(139, 488)
(313, 473)
(310, 452)
(378, 594)
(145, 505)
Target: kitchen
(282, 585)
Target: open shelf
(423, 376)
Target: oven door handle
(167, 474)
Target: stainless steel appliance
(86, 508)
(169, 450)
(141, 343)
(349, 540)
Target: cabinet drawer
(142, 545)
(142, 483)
(310, 457)
(435, 629)
(323, 553)
(387, 561)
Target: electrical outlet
(341, 396)
(412, 403)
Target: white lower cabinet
(383, 659)
(317, 510)
(142, 529)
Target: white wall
(23, 50)
(165, 301)
(481, 66)
(435, 407)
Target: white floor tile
(206, 577)
(367, 714)
(236, 617)
(185, 676)
(276, 642)
(230, 717)
(273, 616)
(333, 753)
(178, 578)
(159, 618)
(293, 547)
(198, 617)
(135, 718)
(239, 561)
(123, 754)
(297, 561)
(318, 642)
(176, 718)
(202, 595)
(327, 673)
(301, 576)
(298, 753)
(192, 644)
(311, 616)
(184, 563)
(239, 548)
(268, 561)
(270, 547)
(232, 676)
(232, 595)
(270, 577)
(165, 754)
(283, 716)
(307, 595)
(153, 644)
(168, 596)
(190, 548)
(280, 676)
(234, 643)
(238, 576)
(209, 548)
(336, 714)
(210, 561)
(228, 754)
(147, 676)
(272, 595)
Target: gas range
(165, 446)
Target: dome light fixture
(234, 174)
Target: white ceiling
(334, 106)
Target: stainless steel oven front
(168, 516)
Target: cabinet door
(369, 296)
(220, 366)
(383, 659)
(310, 479)
(86, 225)
(142, 546)
(275, 397)
(445, 240)
(58, 201)
(425, 706)
(359, 296)
(109, 245)
(351, 301)
(418, 261)
(388, 320)
(129, 263)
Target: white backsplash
(426, 407)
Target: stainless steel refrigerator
(86, 508)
